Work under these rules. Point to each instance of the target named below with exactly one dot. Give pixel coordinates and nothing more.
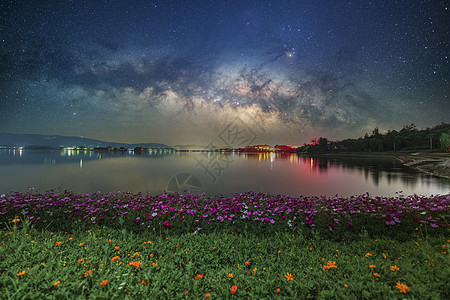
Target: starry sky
(185, 72)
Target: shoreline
(436, 164)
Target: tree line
(409, 137)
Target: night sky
(182, 72)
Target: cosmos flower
(289, 276)
(135, 264)
(402, 287)
(233, 289)
(104, 282)
(87, 273)
(330, 265)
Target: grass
(253, 259)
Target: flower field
(251, 245)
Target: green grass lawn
(106, 263)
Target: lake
(212, 173)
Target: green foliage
(445, 140)
(80, 260)
(408, 138)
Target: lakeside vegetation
(408, 138)
(252, 245)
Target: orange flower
(16, 219)
(150, 242)
(21, 273)
(376, 275)
(254, 270)
(233, 289)
(207, 295)
(394, 268)
(329, 265)
(135, 254)
(368, 254)
(104, 282)
(346, 285)
(58, 243)
(80, 260)
(115, 258)
(199, 276)
(145, 282)
(87, 273)
(56, 283)
(278, 290)
(279, 251)
(230, 275)
(154, 264)
(289, 277)
(402, 287)
(109, 240)
(135, 264)
(186, 292)
(384, 255)
(372, 266)
(81, 244)
(116, 248)
(247, 263)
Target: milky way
(179, 72)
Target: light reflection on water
(218, 173)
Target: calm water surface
(212, 173)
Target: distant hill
(56, 141)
